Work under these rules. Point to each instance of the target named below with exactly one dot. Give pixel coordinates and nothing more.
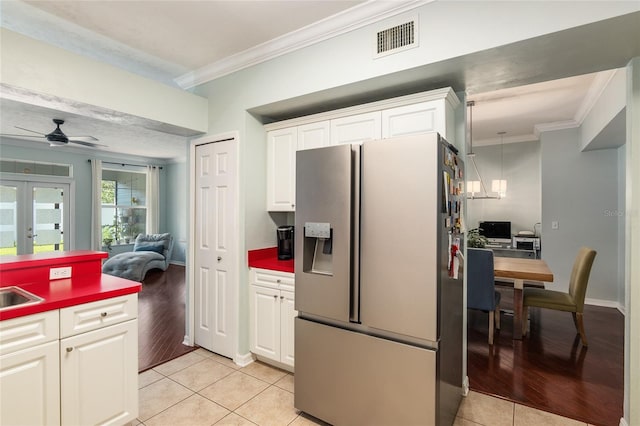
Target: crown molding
(598, 86)
(366, 13)
(556, 125)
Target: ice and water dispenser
(318, 248)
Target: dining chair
(481, 291)
(573, 301)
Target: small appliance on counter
(285, 242)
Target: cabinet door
(30, 386)
(99, 376)
(356, 128)
(314, 135)
(265, 322)
(281, 169)
(414, 119)
(287, 315)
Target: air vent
(397, 39)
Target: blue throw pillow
(157, 246)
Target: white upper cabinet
(433, 111)
(414, 119)
(314, 135)
(356, 128)
(281, 169)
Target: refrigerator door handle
(354, 308)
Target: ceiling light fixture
(476, 186)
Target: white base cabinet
(272, 315)
(99, 371)
(73, 366)
(30, 386)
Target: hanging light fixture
(476, 186)
(499, 186)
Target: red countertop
(267, 258)
(87, 283)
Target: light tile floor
(202, 388)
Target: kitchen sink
(15, 297)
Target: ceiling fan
(58, 138)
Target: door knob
(69, 349)
(31, 236)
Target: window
(124, 211)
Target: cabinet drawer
(95, 315)
(23, 332)
(273, 279)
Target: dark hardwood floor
(550, 369)
(161, 320)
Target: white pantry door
(215, 246)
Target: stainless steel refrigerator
(378, 337)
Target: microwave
(526, 243)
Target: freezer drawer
(348, 378)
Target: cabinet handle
(103, 314)
(69, 349)
(278, 281)
(219, 258)
(281, 297)
(275, 297)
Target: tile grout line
(194, 392)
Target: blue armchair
(481, 292)
(149, 252)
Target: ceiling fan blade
(82, 139)
(29, 130)
(20, 136)
(89, 144)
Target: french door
(34, 217)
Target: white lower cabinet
(52, 373)
(30, 386)
(272, 315)
(99, 362)
(99, 376)
(30, 370)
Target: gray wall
(82, 177)
(176, 191)
(521, 169)
(580, 191)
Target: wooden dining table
(520, 270)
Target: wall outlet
(554, 224)
(58, 273)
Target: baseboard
(465, 386)
(243, 360)
(623, 422)
(177, 262)
(187, 340)
(604, 303)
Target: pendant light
(476, 186)
(499, 186)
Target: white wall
(521, 169)
(622, 170)
(580, 192)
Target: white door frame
(189, 338)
